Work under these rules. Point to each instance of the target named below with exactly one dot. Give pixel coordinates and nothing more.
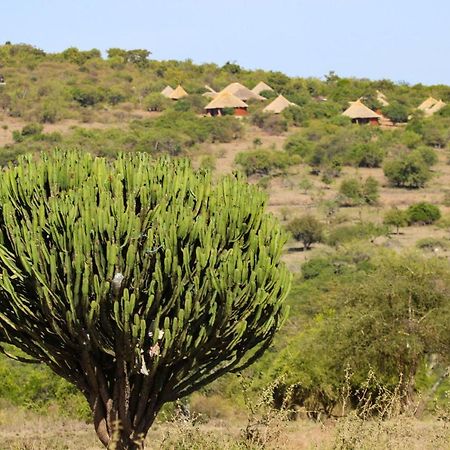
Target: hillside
(369, 303)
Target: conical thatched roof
(226, 100)
(435, 108)
(178, 93)
(358, 110)
(278, 105)
(382, 99)
(261, 87)
(167, 91)
(427, 104)
(240, 91)
(210, 93)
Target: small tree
(137, 281)
(395, 218)
(351, 192)
(370, 190)
(306, 229)
(409, 172)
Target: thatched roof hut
(427, 104)
(431, 106)
(167, 91)
(436, 107)
(261, 87)
(242, 92)
(178, 93)
(210, 93)
(360, 113)
(226, 100)
(382, 99)
(278, 105)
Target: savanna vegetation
(365, 348)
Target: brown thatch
(278, 105)
(427, 104)
(261, 87)
(435, 108)
(226, 100)
(240, 91)
(382, 99)
(178, 93)
(210, 93)
(358, 110)
(167, 91)
(431, 106)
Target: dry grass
(21, 430)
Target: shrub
(263, 162)
(395, 218)
(347, 233)
(370, 191)
(427, 155)
(433, 244)
(88, 95)
(271, 123)
(397, 112)
(314, 267)
(306, 229)
(423, 213)
(156, 102)
(408, 172)
(353, 192)
(32, 129)
(367, 155)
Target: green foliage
(407, 171)
(347, 233)
(397, 112)
(306, 229)
(361, 313)
(395, 217)
(427, 154)
(133, 280)
(263, 162)
(156, 102)
(423, 213)
(35, 387)
(354, 192)
(433, 244)
(369, 154)
(271, 123)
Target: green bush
(263, 162)
(433, 244)
(427, 154)
(353, 192)
(347, 233)
(306, 229)
(407, 172)
(395, 218)
(156, 102)
(314, 267)
(423, 213)
(397, 112)
(32, 129)
(367, 155)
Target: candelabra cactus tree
(138, 281)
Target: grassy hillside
(364, 187)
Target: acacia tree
(137, 281)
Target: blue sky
(397, 39)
